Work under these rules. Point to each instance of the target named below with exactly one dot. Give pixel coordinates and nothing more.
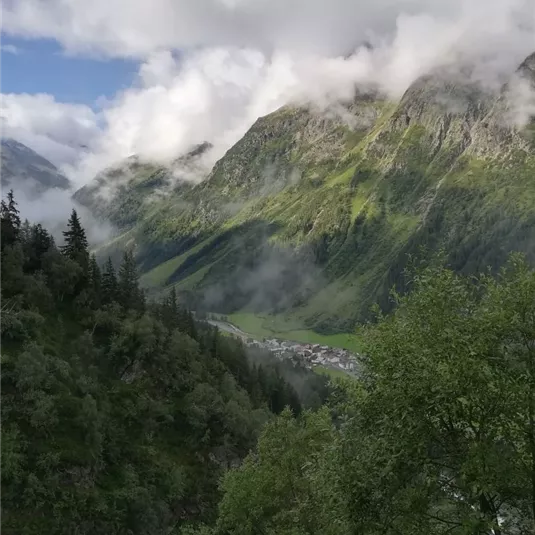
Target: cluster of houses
(310, 354)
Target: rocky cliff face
(313, 213)
(24, 169)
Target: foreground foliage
(437, 438)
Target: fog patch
(520, 98)
(53, 208)
(272, 279)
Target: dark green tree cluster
(437, 438)
(118, 415)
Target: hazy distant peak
(23, 168)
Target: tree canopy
(118, 416)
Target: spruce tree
(26, 232)
(130, 296)
(76, 246)
(95, 279)
(39, 242)
(13, 210)
(10, 221)
(109, 285)
(170, 313)
(172, 301)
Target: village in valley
(302, 354)
(310, 355)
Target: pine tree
(109, 285)
(13, 210)
(95, 279)
(26, 232)
(76, 246)
(76, 249)
(10, 220)
(130, 296)
(186, 323)
(39, 242)
(172, 301)
(169, 310)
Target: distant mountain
(312, 215)
(131, 190)
(23, 169)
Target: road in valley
(228, 327)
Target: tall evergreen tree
(95, 278)
(38, 243)
(172, 301)
(130, 295)
(13, 210)
(76, 246)
(169, 310)
(25, 232)
(10, 220)
(109, 285)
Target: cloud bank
(210, 68)
(61, 132)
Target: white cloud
(521, 102)
(240, 59)
(53, 208)
(325, 27)
(11, 49)
(211, 95)
(61, 132)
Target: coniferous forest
(125, 416)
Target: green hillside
(312, 215)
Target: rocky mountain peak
(527, 68)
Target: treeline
(437, 438)
(118, 415)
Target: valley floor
(312, 348)
(273, 327)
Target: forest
(118, 415)
(126, 416)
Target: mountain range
(314, 214)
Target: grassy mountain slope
(312, 215)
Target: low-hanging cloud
(62, 132)
(241, 59)
(52, 209)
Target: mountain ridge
(312, 214)
(22, 167)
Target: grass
(162, 272)
(357, 204)
(330, 372)
(193, 279)
(265, 327)
(343, 178)
(159, 275)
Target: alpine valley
(312, 216)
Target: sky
(40, 66)
(87, 84)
